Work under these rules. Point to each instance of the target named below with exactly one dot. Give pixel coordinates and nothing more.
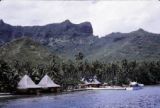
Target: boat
(134, 86)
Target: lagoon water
(149, 97)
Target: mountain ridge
(67, 39)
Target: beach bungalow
(82, 84)
(48, 85)
(93, 83)
(90, 83)
(27, 86)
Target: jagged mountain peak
(67, 21)
(1, 22)
(84, 27)
(140, 30)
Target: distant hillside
(137, 45)
(25, 50)
(67, 39)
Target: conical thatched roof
(91, 81)
(26, 82)
(46, 82)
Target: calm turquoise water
(149, 97)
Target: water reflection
(145, 98)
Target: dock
(107, 88)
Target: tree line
(71, 72)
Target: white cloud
(105, 16)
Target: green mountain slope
(138, 45)
(25, 49)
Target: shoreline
(14, 96)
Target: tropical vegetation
(71, 72)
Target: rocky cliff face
(5, 32)
(47, 33)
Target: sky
(106, 16)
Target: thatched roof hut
(46, 82)
(27, 83)
(92, 81)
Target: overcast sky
(105, 16)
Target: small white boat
(135, 86)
